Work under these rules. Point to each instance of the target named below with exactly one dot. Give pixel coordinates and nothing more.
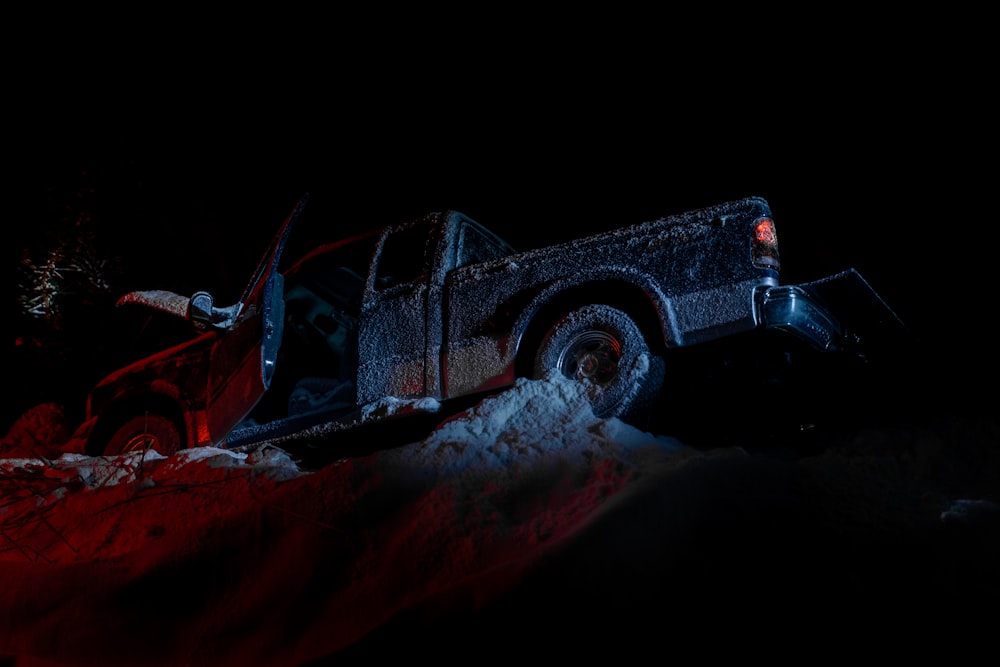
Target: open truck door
(243, 359)
(245, 338)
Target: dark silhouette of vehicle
(406, 317)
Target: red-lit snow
(524, 527)
(174, 555)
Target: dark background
(186, 164)
(871, 136)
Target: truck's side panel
(695, 270)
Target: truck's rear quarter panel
(695, 269)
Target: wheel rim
(592, 357)
(141, 442)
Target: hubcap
(592, 356)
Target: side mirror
(198, 309)
(203, 314)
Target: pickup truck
(441, 308)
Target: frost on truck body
(441, 307)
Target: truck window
(403, 257)
(477, 245)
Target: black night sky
(187, 197)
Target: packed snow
(523, 526)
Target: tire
(603, 349)
(144, 432)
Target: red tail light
(765, 244)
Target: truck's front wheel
(144, 432)
(603, 349)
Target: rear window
(403, 257)
(477, 245)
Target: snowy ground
(522, 527)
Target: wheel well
(157, 404)
(619, 294)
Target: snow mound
(539, 439)
(76, 507)
(533, 421)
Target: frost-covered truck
(440, 308)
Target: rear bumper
(839, 312)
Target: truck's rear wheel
(144, 432)
(603, 349)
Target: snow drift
(210, 543)
(523, 526)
